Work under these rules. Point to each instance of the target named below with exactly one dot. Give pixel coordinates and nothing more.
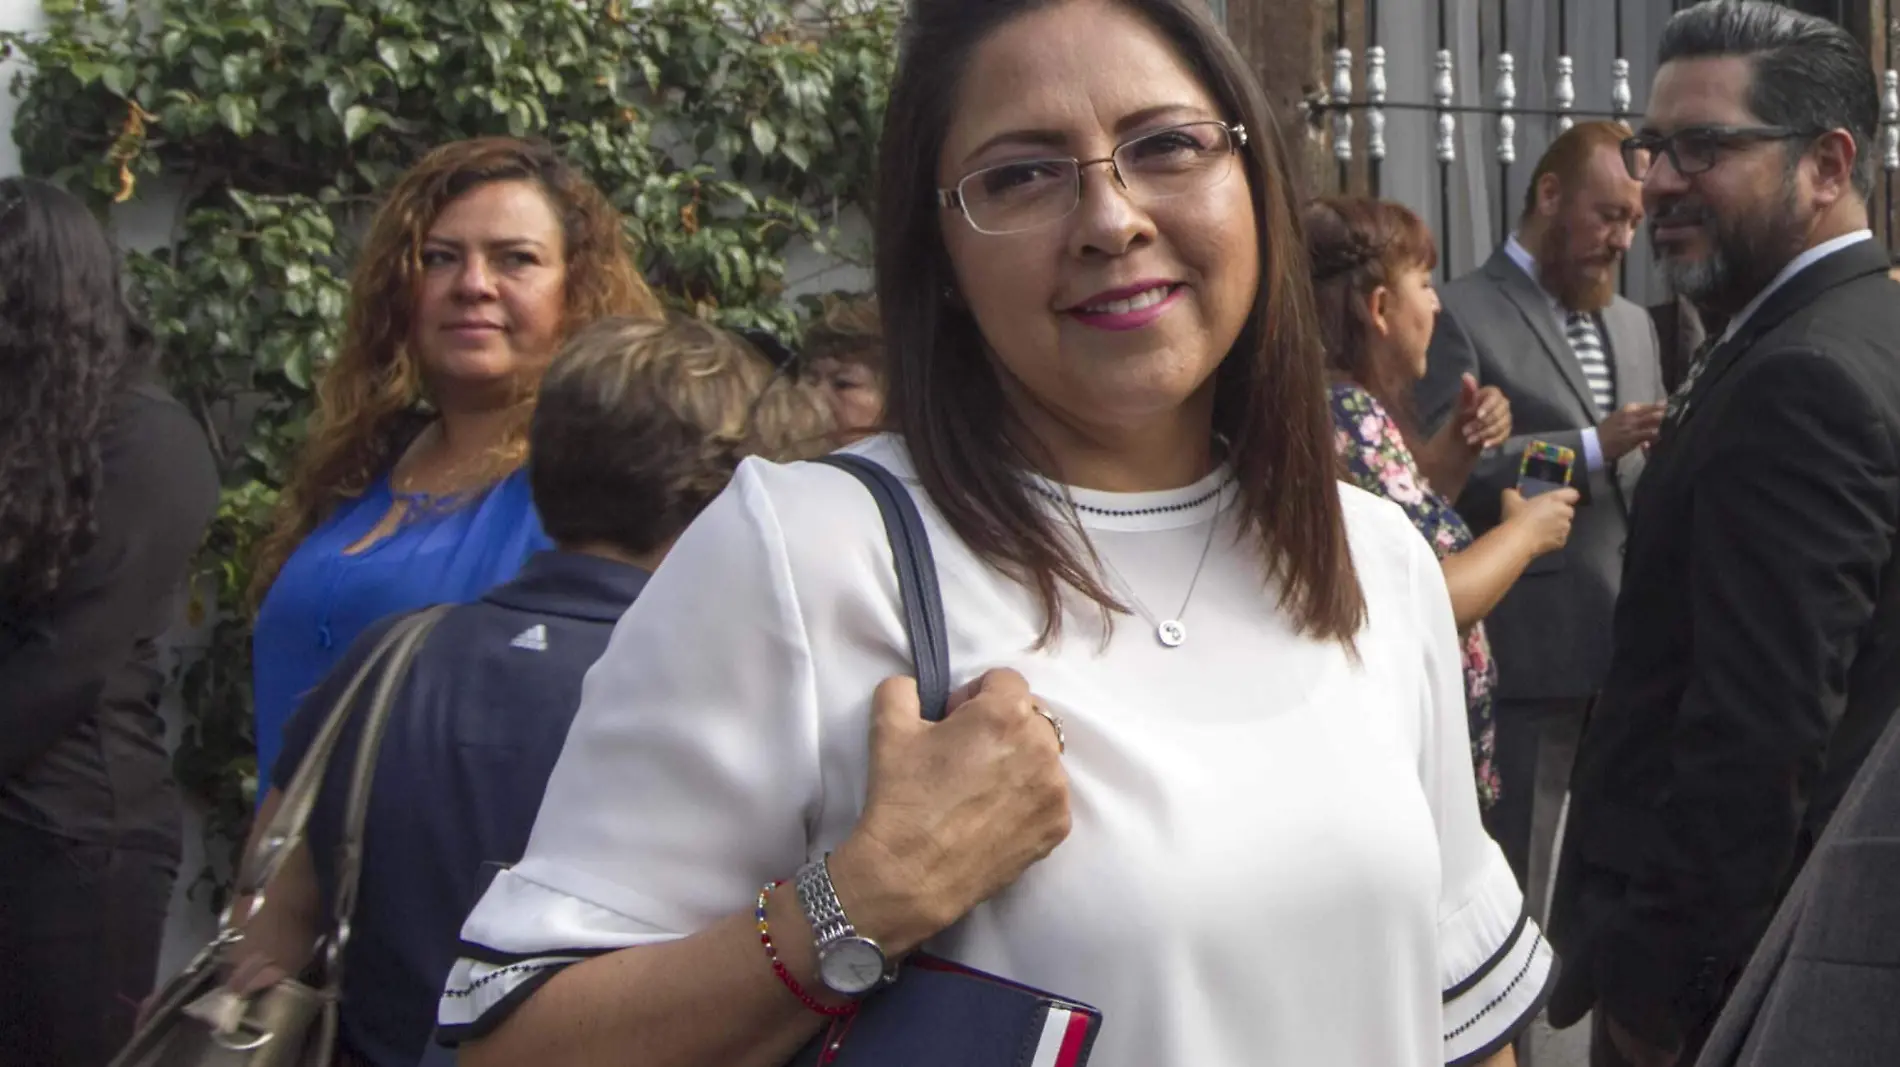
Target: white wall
(14, 15)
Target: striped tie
(1581, 330)
(1679, 400)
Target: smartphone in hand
(1546, 467)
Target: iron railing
(1334, 112)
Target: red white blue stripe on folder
(1064, 1034)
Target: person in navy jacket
(639, 425)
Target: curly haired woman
(106, 485)
(410, 490)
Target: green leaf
(342, 95)
(235, 116)
(394, 52)
(297, 367)
(236, 274)
(505, 14)
(356, 31)
(357, 121)
(764, 137)
(797, 154)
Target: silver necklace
(1172, 633)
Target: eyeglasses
(1694, 149)
(1021, 196)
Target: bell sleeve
(1495, 967)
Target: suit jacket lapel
(1854, 261)
(1534, 305)
(1624, 349)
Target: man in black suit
(1756, 653)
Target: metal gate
(1470, 129)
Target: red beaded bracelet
(778, 968)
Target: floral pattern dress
(1377, 460)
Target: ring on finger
(1062, 740)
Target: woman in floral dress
(1372, 266)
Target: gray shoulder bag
(196, 1021)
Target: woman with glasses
(1208, 769)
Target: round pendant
(1172, 633)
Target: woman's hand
(1484, 416)
(1544, 519)
(254, 973)
(956, 811)
(1481, 420)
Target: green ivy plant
(725, 133)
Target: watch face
(851, 966)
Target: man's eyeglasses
(1694, 149)
(1015, 197)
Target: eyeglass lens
(1014, 197)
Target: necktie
(1679, 400)
(1581, 331)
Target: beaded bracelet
(785, 976)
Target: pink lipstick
(1128, 308)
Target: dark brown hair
(1569, 155)
(641, 423)
(1357, 245)
(1270, 401)
(368, 402)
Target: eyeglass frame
(953, 197)
(1724, 136)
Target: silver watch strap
(820, 902)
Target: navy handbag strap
(916, 578)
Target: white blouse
(1276, 856)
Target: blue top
(325, 597)
(473, 736)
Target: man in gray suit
(1541, 321)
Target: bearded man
(1756, 651)
(1542, 323)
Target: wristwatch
(848, 964)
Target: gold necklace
(458, 479)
